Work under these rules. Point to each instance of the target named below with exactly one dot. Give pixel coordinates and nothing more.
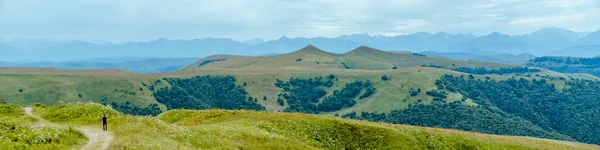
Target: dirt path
(98, 139)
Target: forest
(205, 92)
(455, 115)
(528, 107)
(303, 95)
(568, 65)
(569, 60)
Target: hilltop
(186, 129)
(311, 57)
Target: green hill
(311, 57)
(220, 129)
(315, 81)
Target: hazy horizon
(123, 21)
(291, 37)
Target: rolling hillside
(281, 83)
(311, 57)
(220, 129)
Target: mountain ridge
(415, 42)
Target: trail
(98, 139)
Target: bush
(384, 78)
(280, 101)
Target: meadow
(240, 129)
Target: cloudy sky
(143, 20)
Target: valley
(300, 75)
(363, 84)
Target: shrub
(384, 78)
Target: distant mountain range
(137, 65)
(547, 41)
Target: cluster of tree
(205, 92)
(455, 115)
(345, 66)
(590, 61)
(576, 69)
(548, 59)
(303, 95)
(569, 61)
(436, 93)
(525, 107)
(128, 108)
(413, 92)
(431, 66)
(418, 54)
(572, 112)
(369, 90)
(210, 61)
(346, 97)
(501, 71)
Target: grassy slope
(373, 59)
(18, 131)
(219, 129)
(66, 87)
(390, 95)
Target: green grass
(10, 111)
(18, 131)
(26, 89)
(283, 130)
(221, 129)
(78, 113)
(21, 137)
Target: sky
(145, 20)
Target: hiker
(104, 126)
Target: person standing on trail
(104, 126)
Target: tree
(79, 95)
(265, 98)
(280, 101)
(384, 78)
(21, 90)
(331, 77)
